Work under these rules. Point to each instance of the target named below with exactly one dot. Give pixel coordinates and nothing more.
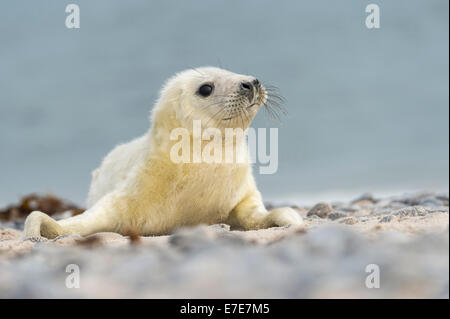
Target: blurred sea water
(368, 109)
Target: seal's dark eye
(205, 90)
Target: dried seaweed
(48, 204)
(133, 235)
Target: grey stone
(386, 219)
(431, 201)
(321, 209)
(412, 211)
(364, 197)
(336, 215)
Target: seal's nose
(247, 90)
(249, 86)
(246, 86)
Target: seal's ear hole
(205, 90)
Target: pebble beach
(330, 256)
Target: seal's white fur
(138, 186)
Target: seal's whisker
(274, 101)
(273, 105)
(277, 111)
(277, 97)
(274, 93)
(270, 86)
(268, 113)
(214, 116)
(242, 120)
(203, 108)
(276, 104)
(192, 68)
(272, 90)
(218, 115)
(245, 114)
(235, 121)
(273, 112)
(212, 104)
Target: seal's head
(217, 97)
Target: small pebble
(366, 197)
(321, 209)
(431, 201)
(386, 219)
(336, 215)
(349, 221)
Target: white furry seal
(138, 185)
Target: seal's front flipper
(251, 214)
